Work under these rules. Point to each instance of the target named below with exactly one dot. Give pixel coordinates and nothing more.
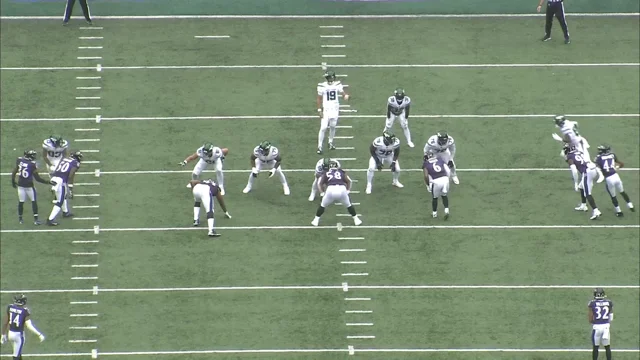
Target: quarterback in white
(266, 157)
(570, 135)
(384, 150)
(328, 102)
(398, 107)
(444, 148)
(208, 155)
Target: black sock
(445, 201)
(350, 209)
(625, 196)
(614, 200)
(34, 207)
(594, 353)
(20, 208)
(434, 204)
(608, 351)
(583, 198)
(591, 201)
(320, 211)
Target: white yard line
(89, 57)
(313, 117)
(212, 36)
(355, 274)
(353, 262)
(89, 47)
(358, 312)
(88, 108)
(86, 206)
(83, 302)
(85, 241)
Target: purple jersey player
(17, 318)
(334, 187)
(608, 162)
(26, 171)
(436, 176)
(203, 194)
(600, 314)
(62, 181)
(584, 174)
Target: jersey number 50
(331, 95)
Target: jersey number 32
(602, 312)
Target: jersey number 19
(331, 95)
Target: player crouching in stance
(26, 170)
(328, 102)
(335, 184)
(208, 154)
(203, 194)
(587, 173)
(608, 163)
(265, 157)
(18, 315)
(384, 150)
(398, 107)
(62, 181)
(600, 317)
(444, 147)
(322, 166)
(436, 177)
(570, 135)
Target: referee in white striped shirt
(555, 7)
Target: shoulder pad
(274, 150)
(407, 99)
(336, 83)
(397, 142)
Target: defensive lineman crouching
(203, 194)
(384, 150)
(322, 166)
(208, 154)
(608, 163)
(444, 147)
(335, 184)
(436, 177)
(265, 156)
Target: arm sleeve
(32, 328)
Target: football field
(507, 276)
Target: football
(225, 151)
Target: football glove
(70, 193)
(321, 194)
(183, 163)
(3, 339)
(430, 187)
(393, 166)
(451, 164)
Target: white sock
(321, 137)
(369, 177)
(65, 206)
(210, 222)
(407, 133)
(618, 209)
(283, 179)
(314, 187)
(54, 212)
(446, 210)
(332, 133)
(396, 175)
(317, 218)
(220, 178)
(630, 205)
(251, 178)
(196, 213)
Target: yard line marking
(83, 315)
(354, 192)
(353, 262)
(89, 47)
(340, 204)
(355, 274)
(88, 77)
(88, 88)
(353, 250)
(346, 159)
(83, 341)
(85, 266)
(343, 75)
(86, 140)
(84, 253)
(86, 206)
(89, 57)
(91, 28)
(311, 117)
(87, 97)
(91, 37)
(359, 324)
(347, 214)
(90, 151)
(86, 184)
(334, 56)
(358, 299)
(344, 127)
(83, 327)
(84, 241)
(92, 129)
(348, 238)
(343, 137)
(333, 46)
(87, 195)
(88, 108)
(82, 302)
(333, 287)
(331, 26)
(86, 218)
(84, 278)
(332, 36)
(355, 66)
(91, 162)
(360, 337)
(358, 311)
(212, 36)
(344, 105)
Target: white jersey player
(266, 157)
(570, 135)
(384, 150)
(322, 166)
(335, 184)
(208, 155)
(398, 107)
(54, 149)
(444, 147)
(203, 194)
(328, 102)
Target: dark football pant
(69, 9)
(557, 9)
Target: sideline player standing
(265, 156)
(600, 317)
(398, 107)
(384, 150)
(18, 315)
(338, 185)
(26, 171)
(328, 102)
(436, 177)
(555, 7)
(203, 194)
(208, 154)
(69, 9)
(607, 162)
(62, 182)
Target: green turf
(314, 318)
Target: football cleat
(37, 222)
(368, 189)
(434, 214)
(222, 191)
(446, 215)
(332, 146)
(357, 221)
(246, 190)
(212, 233)
(567, 41)
(546, 38)
(620, 214)
(596, 214)
(455, 180)
(52, 223)
(330, 76)
(286, 190)
(582, 207)
(632, 208)
(20, 220)
(312, 197)
(410, 144)
(196, 222)
(397, 184)
(315, 221)
(319, 151)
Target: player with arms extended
(17, 317)
(384, 150)
(322, 166)
(203, 194)
(265, 156)
(54, 149)
(587, 173)
(62, 181)
(444, 147)
(328, 102)
(398, 107)
(600, 311)
(608, 163)
(26, 170)
(436, 177)
(208, 154)
(570, 135)
(335, 184)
